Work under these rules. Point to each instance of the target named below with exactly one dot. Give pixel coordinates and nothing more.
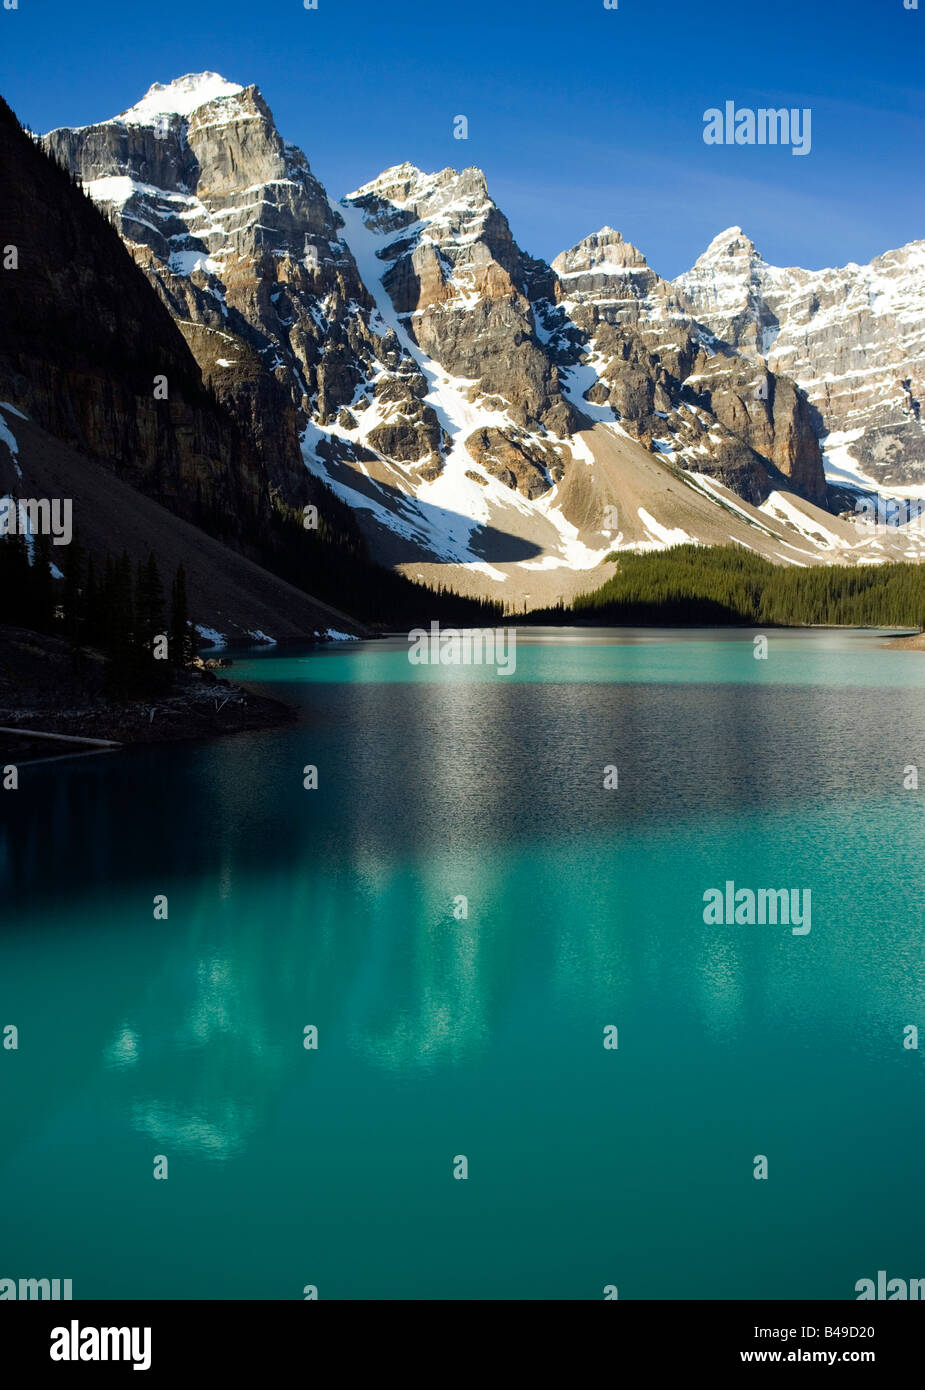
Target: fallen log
(62, 738)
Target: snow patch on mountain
(663, 535)
(8, 438)
(181, 97)
(853, 337)
(444, 514)
(210, 636)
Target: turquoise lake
(482, 1037)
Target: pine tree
(41, 585)
(181, 632)
(149, 604)
(119, 639)
(72, 603)
(15, 580)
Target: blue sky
(579, 115)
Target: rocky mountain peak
(405, 194)
(604, 251)
(181, 97)
(85, 339)
(659, 370)
(730, 245)
(854, 335)
(243, 245)
(463, 290)
(395, 183)
(724, 290)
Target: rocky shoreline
(43, 691)
(915, 643)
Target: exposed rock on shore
(43, 689)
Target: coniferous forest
(701, 586)
(106, 606)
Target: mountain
(853, 338)
(229, 594)
(568, 424)
(490, 421)
(84, 345)
(678, 388)
(240, 241)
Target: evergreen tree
(182, 644)
(149, 604)
(73, 598)
(41, 585)
(15, 581)
(119, 635)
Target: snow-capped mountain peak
(405, 194)
(853, 337)
(732, 242)
(181, 97)
(604, 251)
(397, 183)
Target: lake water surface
(480, 1037)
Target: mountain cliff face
(244, 247)
(854, 338)
(462, 287)
(677, 387)
(103, 404)
(84, 344)
(484, 415)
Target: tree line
(689, 585)
(106, 606)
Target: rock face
(239, 238)
(461, 287)
(854, 338)
(674, 385)
(89, 353)
(517, 460)
(104, 404)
